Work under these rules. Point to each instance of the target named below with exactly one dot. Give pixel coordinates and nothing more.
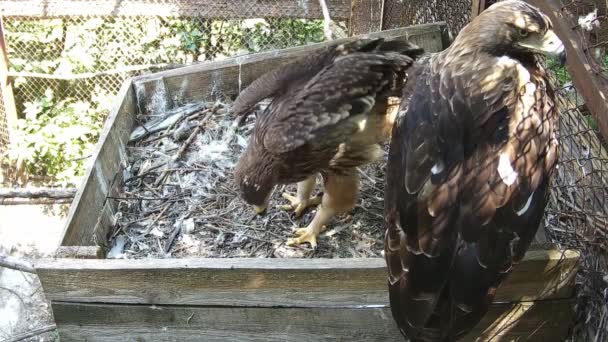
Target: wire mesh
(68, 59)
(577, 214)
(589, 19)
(456, 13)
(79, 56)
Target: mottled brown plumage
(328, 113)
(468, 172)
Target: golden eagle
(328, 114)
(468, 171)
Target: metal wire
(577, 214)
(456, 13)
(589, 19)
(95, 54)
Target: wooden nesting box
(196, 299)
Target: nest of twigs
(178, 198)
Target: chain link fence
(95, 54)
(71, 57)
(456, 13)
(577, 214)
(589, 19)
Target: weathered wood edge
(592, 87)
(79, 252)
(91, 194)
(64, 264)
(410, 31)
(539, 321)
(220, 79)
(543, 274)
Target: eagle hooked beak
(259, 209)
(549, 44)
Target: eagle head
(514, 28)
(255, 179)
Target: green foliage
(62, 119)
(56, 135)
(560, 72)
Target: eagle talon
(298, 205)
(303, 235)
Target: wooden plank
(99, 178)
(271, 282)
(202, 81)
(366, 16)
(540, 321)
(477, 7)
(593, 88)
(79, 252)
(228, 9)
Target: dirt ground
(26, 231)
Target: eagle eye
(523, 32)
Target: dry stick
(184, 147)
(34, 332)
(158, 217)
(38, 193)
(35, 201)
(227, 231)
(169, 131)
(190, 139)
(14, 293)
(15, 264)
(171, 238)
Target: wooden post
(592, 87)
(366, 16)
(477, 7)
(6, 88)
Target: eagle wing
(348, 87)
(291, 76)
(457, 220)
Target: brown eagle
(468, 171)
(328, 114)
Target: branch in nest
(33, 333)
(15, 264)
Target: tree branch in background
(55, 193)
(326, 20)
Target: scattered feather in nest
(178, 199)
